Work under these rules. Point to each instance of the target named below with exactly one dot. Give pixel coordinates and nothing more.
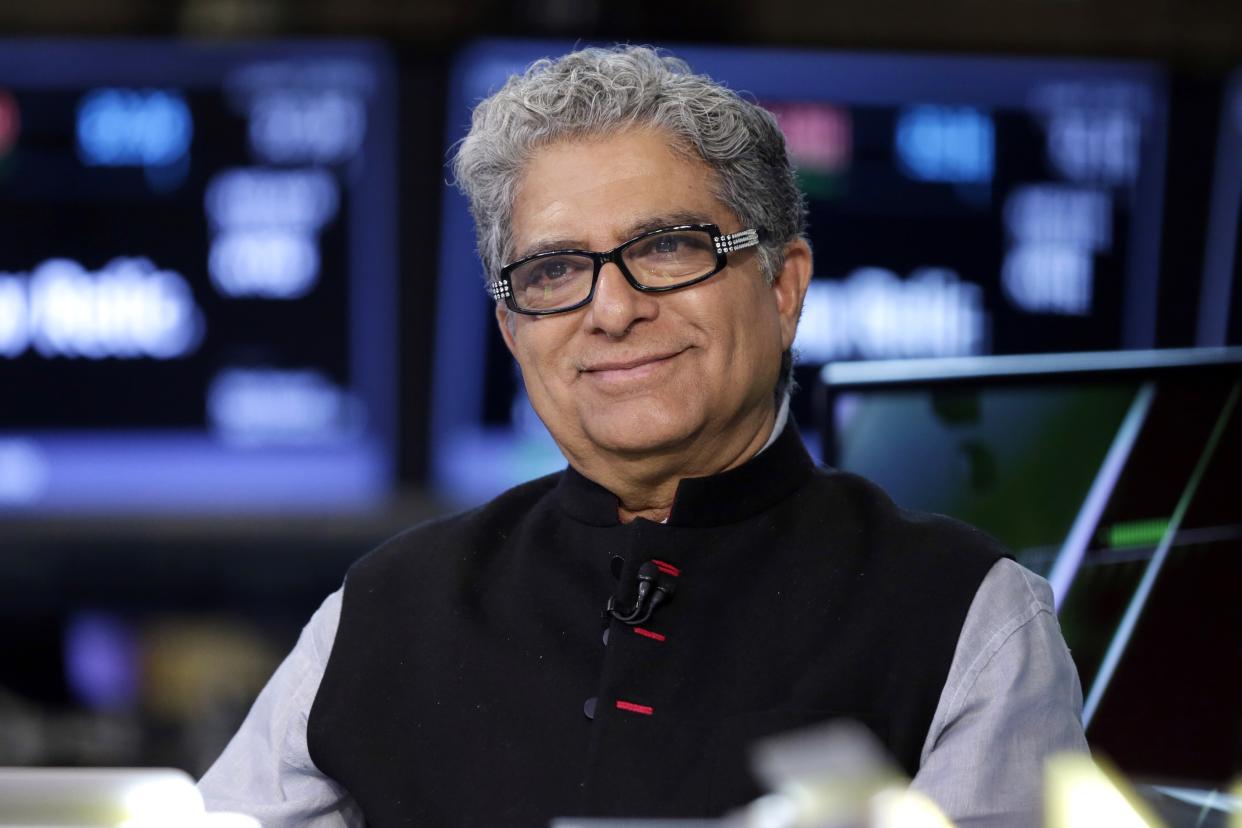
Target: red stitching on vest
(655, 636)
(667, 568)
(635, 708)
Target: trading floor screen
(197, 271)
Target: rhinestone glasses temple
(737, 241)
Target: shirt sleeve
(1012, 698)
(266, 770)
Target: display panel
(958, 206)
(197, 276)
(1113, 476)
(1220, 301)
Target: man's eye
(552, 270)
(546, 272)
(666, 244)
(558, 268)
(673, 245)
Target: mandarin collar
(729, 497)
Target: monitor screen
(1220, 300)
(957, 206)
(1115, 480)
(197, 272)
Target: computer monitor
(1220, 299)
(1113, 475)
(958, 206)
(197, 276)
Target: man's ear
(790, 287)
(506, 321)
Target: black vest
(457, 690)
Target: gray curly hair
(599, 91)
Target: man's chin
(645, 432)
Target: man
(608, 640)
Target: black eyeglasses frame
(501, 289)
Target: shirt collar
(771, 475)
(782, 416)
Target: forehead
(595, 190)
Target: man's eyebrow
(667, 220)
(645, 225)
(547, 246)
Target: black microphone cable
(663, 592)
(654, 588)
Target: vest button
(588, 709)
(606, 636)
(617, 565)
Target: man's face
(638, 373)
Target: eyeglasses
(657, 261)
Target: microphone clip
(656, 582)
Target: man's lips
(628, 364)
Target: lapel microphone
(655, 587)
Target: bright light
(302, 126)
(1095, 145)
(264, 406)
(1049, 278)
(127, 310)
(129, 127)
(1094, 129)
(265, 263)
(226, 820)
(1055, 230)
(905, 808)
(159, 803)
(1079, 794)
(1050, 213)
(873, 314)
(24, 472)
(266, 224)
(955, 144)
(272, 198)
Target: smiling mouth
(622, 370)
(627, 365)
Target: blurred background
(243, 336)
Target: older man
(608, 640)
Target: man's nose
(617, 305)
